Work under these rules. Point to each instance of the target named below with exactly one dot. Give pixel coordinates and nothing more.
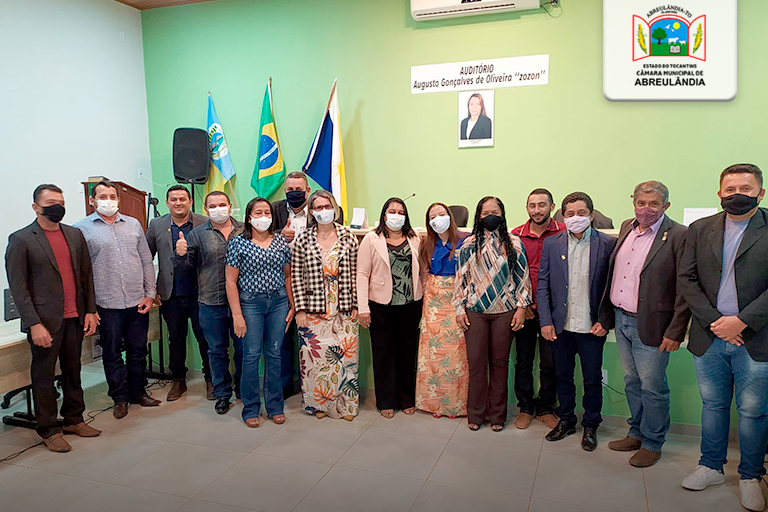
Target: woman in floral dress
(323, 268)
(442, 377)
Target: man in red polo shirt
(539, 226)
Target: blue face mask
(296, 198)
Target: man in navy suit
(572, 278)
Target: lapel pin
(664, 236)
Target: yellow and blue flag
(269, 171)
(222, 169)
(325, 162)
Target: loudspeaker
(191, 155)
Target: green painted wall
(564, 136)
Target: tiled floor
(184, 457)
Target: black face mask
(738, 204)
(491, 222)
(296, 198)
(54, 213)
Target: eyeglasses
(320, 208)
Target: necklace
(325, 237)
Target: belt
(628, 313)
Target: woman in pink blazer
(389, 302)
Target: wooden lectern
(133, 202)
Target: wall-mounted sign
(476, 119)
(480, 74)
(669, 52)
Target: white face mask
(577, 223)
(395, 221)
(262, 223)
(324, 216)
(106, 207)
(440, 224)
(219, 215)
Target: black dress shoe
(120, 410)
(222, 405)
(589, 439)
(146, 401)
(561, 430)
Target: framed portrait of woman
(476, 119)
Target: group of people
(443, 310)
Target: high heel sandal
(473, 427)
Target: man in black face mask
(724, 280)
(289, 216)
(49, 273)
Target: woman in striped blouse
(493, 288)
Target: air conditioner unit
(435, 9)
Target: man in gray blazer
(644, 305)
(724, 280)
(177, 287)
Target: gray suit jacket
(161, 243)
(661, 310)
(699, 279)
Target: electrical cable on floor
(91, 416)
(14, 455)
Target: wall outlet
(605, 377)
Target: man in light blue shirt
(572, 278)
(124, 281)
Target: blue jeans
(216, 322)
(264, 315)
(722, 368)
(645, 382)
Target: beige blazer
(374, 275)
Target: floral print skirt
(442, 378)
(329, 358)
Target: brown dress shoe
(120, 410)
(523, 420)
(550, 420)
(178, 388)
(644, 458)
(628, 444)
(146, 401)
(209, 391)
(82, 429)
(56, 443)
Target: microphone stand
(161, 375)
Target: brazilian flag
(269, 171)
